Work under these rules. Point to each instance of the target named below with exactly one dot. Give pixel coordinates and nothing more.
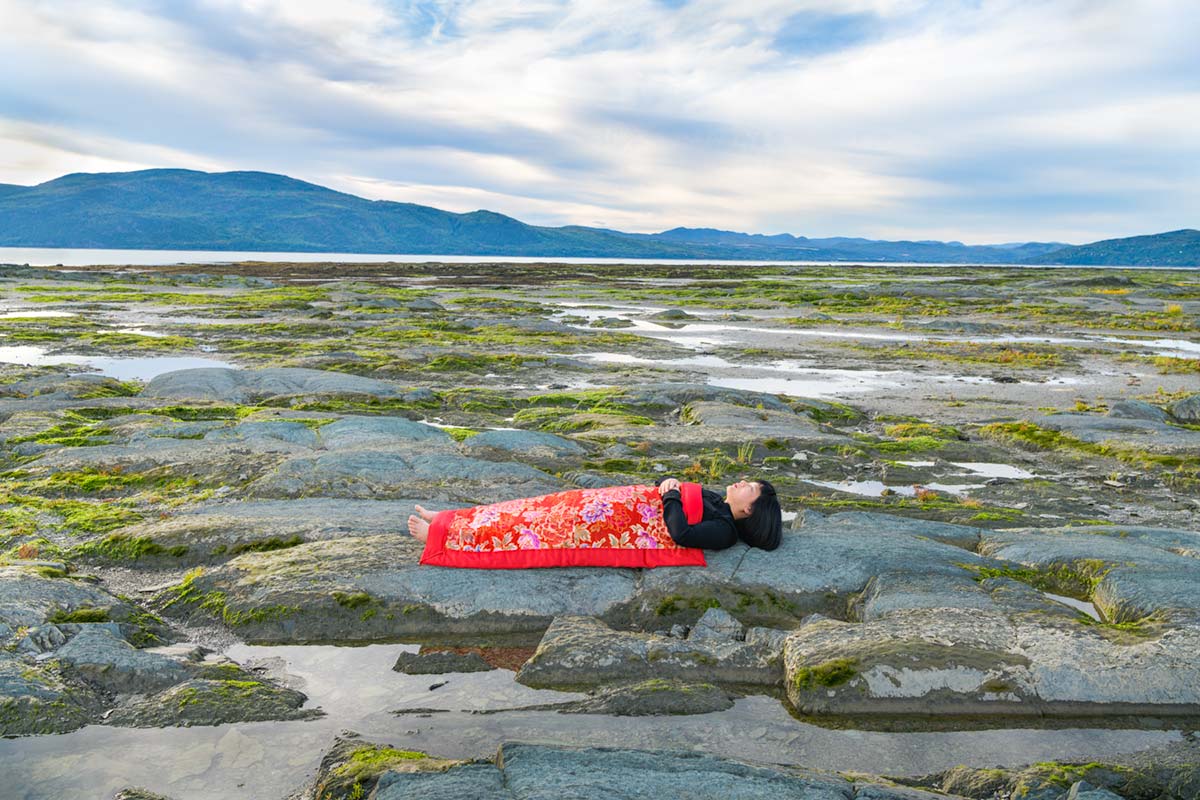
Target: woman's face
(741, 496)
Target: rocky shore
(998, 555)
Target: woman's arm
(713, 534)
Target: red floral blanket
(619, 526)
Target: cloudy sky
(977, 120)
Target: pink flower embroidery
(645, 541)
(649, 513)
(485, 515)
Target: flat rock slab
(387, 473)
(546, 772)
(217, 531)
(943, 663)
(291, 595)
(372, 587)
(76, 656)
(106, 660)
(29, 598)
(253, 385)
(759, 423)
(582, 652)
(212, 702)
(439, 663)
(1137, 575)
(1150, 434)
(822, 566)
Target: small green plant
(834, 672)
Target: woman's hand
(669, 485)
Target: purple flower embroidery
(528, 540)
(597, 510)
(649, 513)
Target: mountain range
(174, 209)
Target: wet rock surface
(77, 655)
(995, 520)
(541, 771)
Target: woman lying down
(619, 526)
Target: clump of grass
(123, 547)
(912, 430)
(828, 674)
(82, 614)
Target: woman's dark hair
(764, 527)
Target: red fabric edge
(435, 554)
(435, 543)
(693, 503)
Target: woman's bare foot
(418, 527)
(425, 513)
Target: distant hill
(1172, 249)
(172, 209)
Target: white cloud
(979, 121)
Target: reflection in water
(358, 691)
(142, 368)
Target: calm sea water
(64, 257)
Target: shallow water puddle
(1079, 605)
(37, 314)
(991, 470)
(142, 368)
(864, 488)
(358, 690)
(1162, 346)
(877, 488)
(789, 377)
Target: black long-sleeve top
(715, 530)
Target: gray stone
(583, 652)
(220, 530)
(878, 791)
(378, 433)
(474, 781)
(37, 698)
(530, 445)
(136, 793)
(539, 772)
(293, 436)
(1171, 540)
(439, 663)
(753, 423)
(201, 701)
(671, 314)
(253, 385)
(654, 697)
(717, 625)
(962, 536)
(41, 639)
(289, 595)
(1082, 790)
(817, 568)
(1187, 410)
(948, 662)
(1138, 409)
(387, 474)
(671, 395)
(113, 664)
(28, 599)
(1145, 433)
(1136, 578)
(62, 385)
